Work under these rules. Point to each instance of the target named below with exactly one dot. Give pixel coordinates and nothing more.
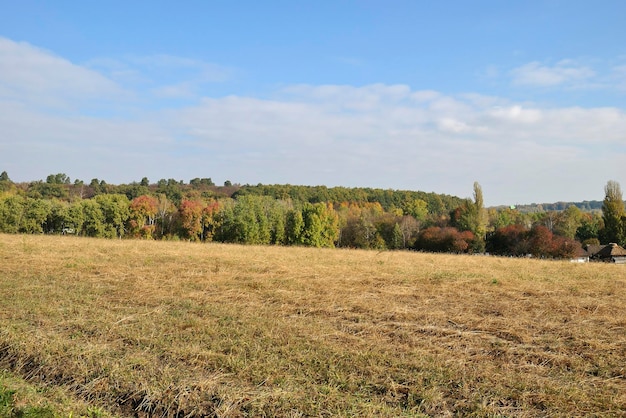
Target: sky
(528, 98)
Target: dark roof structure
(611, 252)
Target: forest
(315, 216)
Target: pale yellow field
(144, 328)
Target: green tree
(76, 217)
(35, 215)
(224, 219)
(116, 211)
(12, 210)
(5, 182)
(94, 184)
(250, 221)
(48, 190)
(58, 217)
(472, 216)
(417, 208)
(246, 220)
(321, 225)
(199, 183)
(60, 178)
(294, 226)
(613, 214)
(172, 189)
(133, 190)
(589, 229)
(93, 219)
(567, 222)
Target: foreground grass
(141, 328)
(21, 399)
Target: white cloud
(440, 145)
(563, 73)
(516, 114)
(375, 135)
(425, 95)
(31, 74)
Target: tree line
(303, 215)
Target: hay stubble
(162, 328)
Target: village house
(611, 253)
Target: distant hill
(585, 206)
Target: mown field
(143, 328)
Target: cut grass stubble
(180, 329)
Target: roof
(593, 249)
(611, 250)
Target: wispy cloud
(30, 74)
(618, 77)
(562, 73)
(163, 75)
(201, 71)
(347, 60)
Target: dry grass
(177, 329)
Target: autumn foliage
(304, 216)
(444, 240)
(538, 241)
(143, 210)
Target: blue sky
(527, 98)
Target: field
(144, 328)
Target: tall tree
(5, 182)
(613, 214)
(472, 216)
(294, 226)
(481, 215)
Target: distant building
(611, 253)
